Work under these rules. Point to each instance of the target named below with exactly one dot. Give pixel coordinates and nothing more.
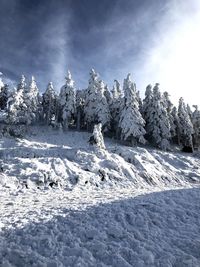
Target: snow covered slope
(64, 203)
(49, 157)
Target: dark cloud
(46, 37)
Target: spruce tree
(115, 109)
(169, 107)
(131, 121)
(31, 100)
(158, 124)
(96, 105)
(4, 94)
(80, 104)
(49, 104)
(16, 108)
(196, 126)
(67, 101)
(185, 127)
(146, 107)
(1, 82)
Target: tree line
(121, 111)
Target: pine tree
(189, 111)
(1, 82)
(22, 84)
(31, 100)
(96, 105)
(185, 127)
(169, 107)
(4, 93)
(131, 121)
(175, 126)
(158, 125)
(116, 91)
(49, 104)
(108, 95)
(147, 106)
(115, 108)
(196, 126)
(97, 138)
(16, 108)
(80, 104)
(67, 101)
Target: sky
(154, 40)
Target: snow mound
(47, 158)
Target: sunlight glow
(175, 60)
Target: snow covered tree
(139, 100)
(131, 121)
(175, 126)
(169, 107)
(22, 84)
(97, 138)
(189, 111)
(158, 125)
(185, 127)
(31, 100)
(116, 91)
(4, 93)
(146, 107)
(67, 101)
(80, 104)
(1, 82)
(16, 108)
(49, 104)
(96, 105)
(196, 126)
(23, 103)
(115, 109)
(108, 95)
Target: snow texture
(65, 204)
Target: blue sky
(154, 40)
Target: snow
(64, 203)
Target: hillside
(65, 203)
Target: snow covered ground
(63, 203)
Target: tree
(108, 95)
(97, 138)
(22, 84)
(1, 82)
(116, 91)
(196, 126)
(96, 105)
(169, 107)
(175, 126)
(158, 124)
(146, 107)
(80, 104)
(31, 100)
(185, 127)
(131, 121)
(189, 111)
(115, 108)
(49, 104)
(4, 93)
(16, 108)
(67, 101)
